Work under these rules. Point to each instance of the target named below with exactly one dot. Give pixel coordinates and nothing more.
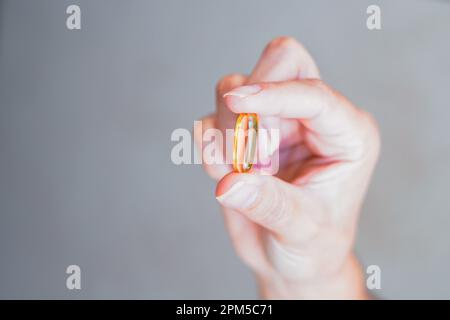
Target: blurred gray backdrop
(86, 118)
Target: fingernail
(244, 91)
(240, 196)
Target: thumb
(266, 200)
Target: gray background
(86, 118)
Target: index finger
(336, 127)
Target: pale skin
(296, 229)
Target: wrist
(347, 283)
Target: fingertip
(225, 183)
(238, 191)
(232, 103)
(236, 99)
(230, 179)
(285, 58)
(229, 82)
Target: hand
(296, 229)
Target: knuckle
(368, 140)
(283, 43)
(329, 98)
(372, 132)
(228, 82)
(290, 52)
(319, 84)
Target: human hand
(296, 229)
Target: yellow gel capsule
(245, 140)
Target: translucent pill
(245, 140)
